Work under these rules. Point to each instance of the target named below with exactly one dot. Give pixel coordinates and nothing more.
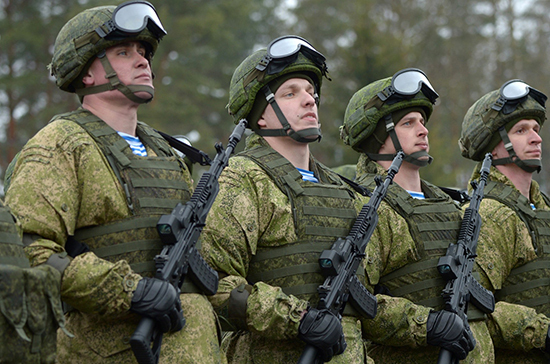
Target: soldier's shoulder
(495, 211)
(60, 133)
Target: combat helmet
(88, 34)
(260, 74)
(373, 111)
(489, 119)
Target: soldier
(90, 187)
(515, 233)
(278, 208)
(417, 222)
(30, 305)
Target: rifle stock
(340, 263)
(180, 231)
(456, 266)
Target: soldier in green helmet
(90, 187)
(30, 304)
(278, 208)
(417, 222)
(515, 233)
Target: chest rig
(528, 284)
(153, 186)
(322, 212)
(433, 223)
(11, 246)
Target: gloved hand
(447, 330)
(322, 329)
(160, 301)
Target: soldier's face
(130, 64)
(296, 99)
(412, 134)
(525, 139)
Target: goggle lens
(131, 18)
(287, 46)
(410, 81)
(514, 89)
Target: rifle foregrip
(481, 297)
(309, 356)
(202, 274)
(141, 341)
(362, 300)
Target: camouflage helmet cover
(247, 81)
(73, 52)
(479, 133)
(362, 129)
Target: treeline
(466, 47)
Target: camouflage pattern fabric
(398, 332)
(518, 332)
(62, 182)
(249, 212)
(30, 304)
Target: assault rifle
(179, 232)
(456, 266)
(339, 264)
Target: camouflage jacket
(505, 244)
(63, 182)
(249, 213)
(398, 332)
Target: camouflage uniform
(63, 186)
(251, 231)
(398, 332)
(30, 305)
(514, 238)
(518, 331)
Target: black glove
(322, 329)
(160, 301)
(447, 330)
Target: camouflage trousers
(103, 342)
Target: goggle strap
(264, 62)
(386, 93)
(90, 38)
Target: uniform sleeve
(245, 211)
(504, 244)
(61, 183)
(517, 327)
(398, 322)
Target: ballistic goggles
(408, 82)
(513, 92)
(130, 18)
(283, 51)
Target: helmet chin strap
(308, 135)
(528, 165)
(413, 158)
(115, 84)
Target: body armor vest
(322, 213)
(527, 285)
(153, 187)
(433, 223)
